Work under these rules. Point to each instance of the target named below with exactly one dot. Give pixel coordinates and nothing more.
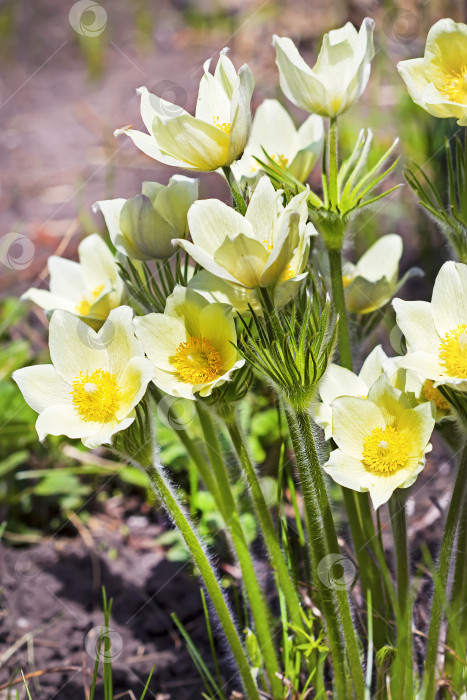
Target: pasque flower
(339, 381)
(438, 81)
(89, 289)
(436, 332)
(381, 440)
(143, 227)
(374, 280)
(274, 131)
(268, 247)
(339, 76)
(191, 345)
(214, 137)
(94, 382)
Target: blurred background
(68, 80)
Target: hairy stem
(322, 540)
(260, 611)
(401, 679)
(268, 531)
(458, 502)
(166, 493)
(333, 164)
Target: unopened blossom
(339, 76)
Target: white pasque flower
(382, 441)
(191, 345)
(438, 81)
(339, 381)
(94, 382)
(374, 279)
(339, 76)
(274, 131)
(214, 137)
(268, 247)
(89, 289)
(143, 227)
(436, 332)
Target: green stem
(401, 681)
(457, 620)
(458, 502)
(333, 165)
(164, 490)
(322, 540)
(357, 504)
(261, 613)
(345, 351)
(273, 547)
(240, 203)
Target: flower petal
(75, 347)
(415, 319)
(42, 386)
(160, 336)
(133, 382)
(449, 300)
(210, 221)
(62, 419)
(195, 143)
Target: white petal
(66, 278)
(345, 470)
(339, 381)
(42, 386)
(133, 382)
(449, 301)
(210, 221)
(415, 319)
(353, 420)
(160, 336)
(64, 420)
(117, 336)
(75, 347)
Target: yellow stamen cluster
(197, 361)
(225, 126)
(280, 159)
(453, 352)
(96, 396)
(431, 393)
(84, 307)
(455, 85)
(385, 452)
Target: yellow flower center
(225, 126)
(280, 159)
(346, 280)
(431, 393)
(453, 352)
(84, 307)
(197, 361)
(384, 452)
(96, 396)
(455, 85)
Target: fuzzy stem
(164, 490)
(457, 619)
(357, 504)
(273, 547)
(458, 502)
(333, 165)
(322, 540)
(240, 203)
(259, 608)
(401, 681)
